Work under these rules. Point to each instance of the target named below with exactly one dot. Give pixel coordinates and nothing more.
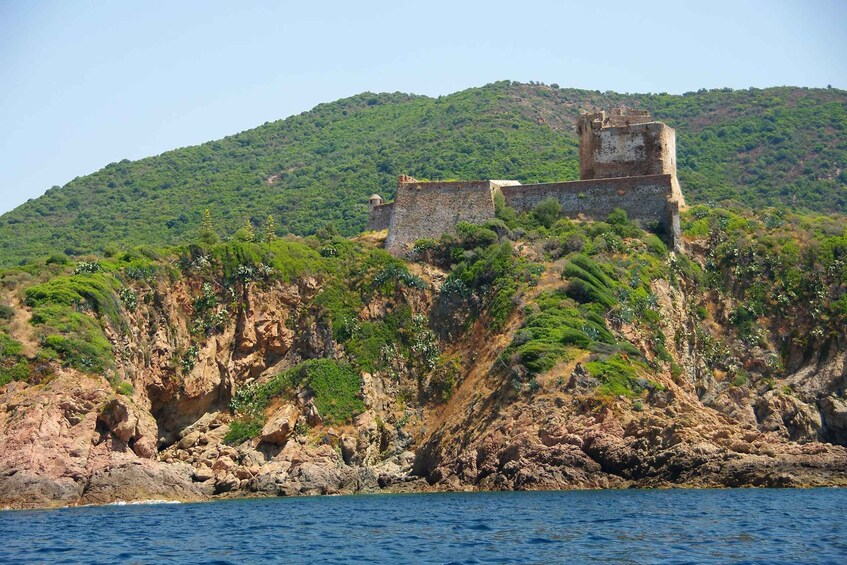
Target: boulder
(131, 426)
(788, 416)
(119, 419)
(223, 463)
(190, 440)
(226, 484)
(834, 413)
(274, 335)
(203, 473)
(141, 481)
(280, 426)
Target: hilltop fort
(626, 160)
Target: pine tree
(270, 230)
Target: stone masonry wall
(429, 209)
(646, 199)
(379, 217)
(630, 151)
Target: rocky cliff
(565, 355)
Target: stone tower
(624, 143)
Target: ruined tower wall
(646, 199)
(628, 151)
(379, 217)
(429, 209)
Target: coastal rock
(141, 481)
(72, 439)
(280, 426)
(788, 416)
(132, 426)
(25, 489)
(203, 473)
(834, 412)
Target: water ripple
(632, 526)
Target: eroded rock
(280, 426)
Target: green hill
(777, 146)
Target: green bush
(86, 292)
(242, 429)
(503, 212)
(65, 310)
(8, 346)
(617, 375)
(472, 235)
(93, 355)
(336, 388)
(547, 212)
(619, 220)
(19, 371)
(587, 283)
(656, 246)
(740, 380)
(559, 325)
(58, 259)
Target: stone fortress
(626, 161)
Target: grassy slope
(762, 147)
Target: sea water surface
(633, 526)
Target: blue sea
(632, 526)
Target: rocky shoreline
(77, 438)
(55, 453)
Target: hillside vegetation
(777, 146)
(530, 352)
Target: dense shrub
(547, 212)
(763, 147)
(335, 386)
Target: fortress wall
(633, 150)
(379, 217)
(646, 199)
(429, 209)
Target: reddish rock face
(62, 443)
(74, 440)
(280, 426)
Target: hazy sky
(83, 84)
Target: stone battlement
(429, 209)
(627, 161)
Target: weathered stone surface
(625, 163)
(137, 481)
(429, 209)
(280, 426)
(379, 217)
(645, 198)
(130, 425)
(226, 483)
(613, 147)
(26, 489)
(788, 416)
(834, 412)
(189, 440)
(203, 473)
